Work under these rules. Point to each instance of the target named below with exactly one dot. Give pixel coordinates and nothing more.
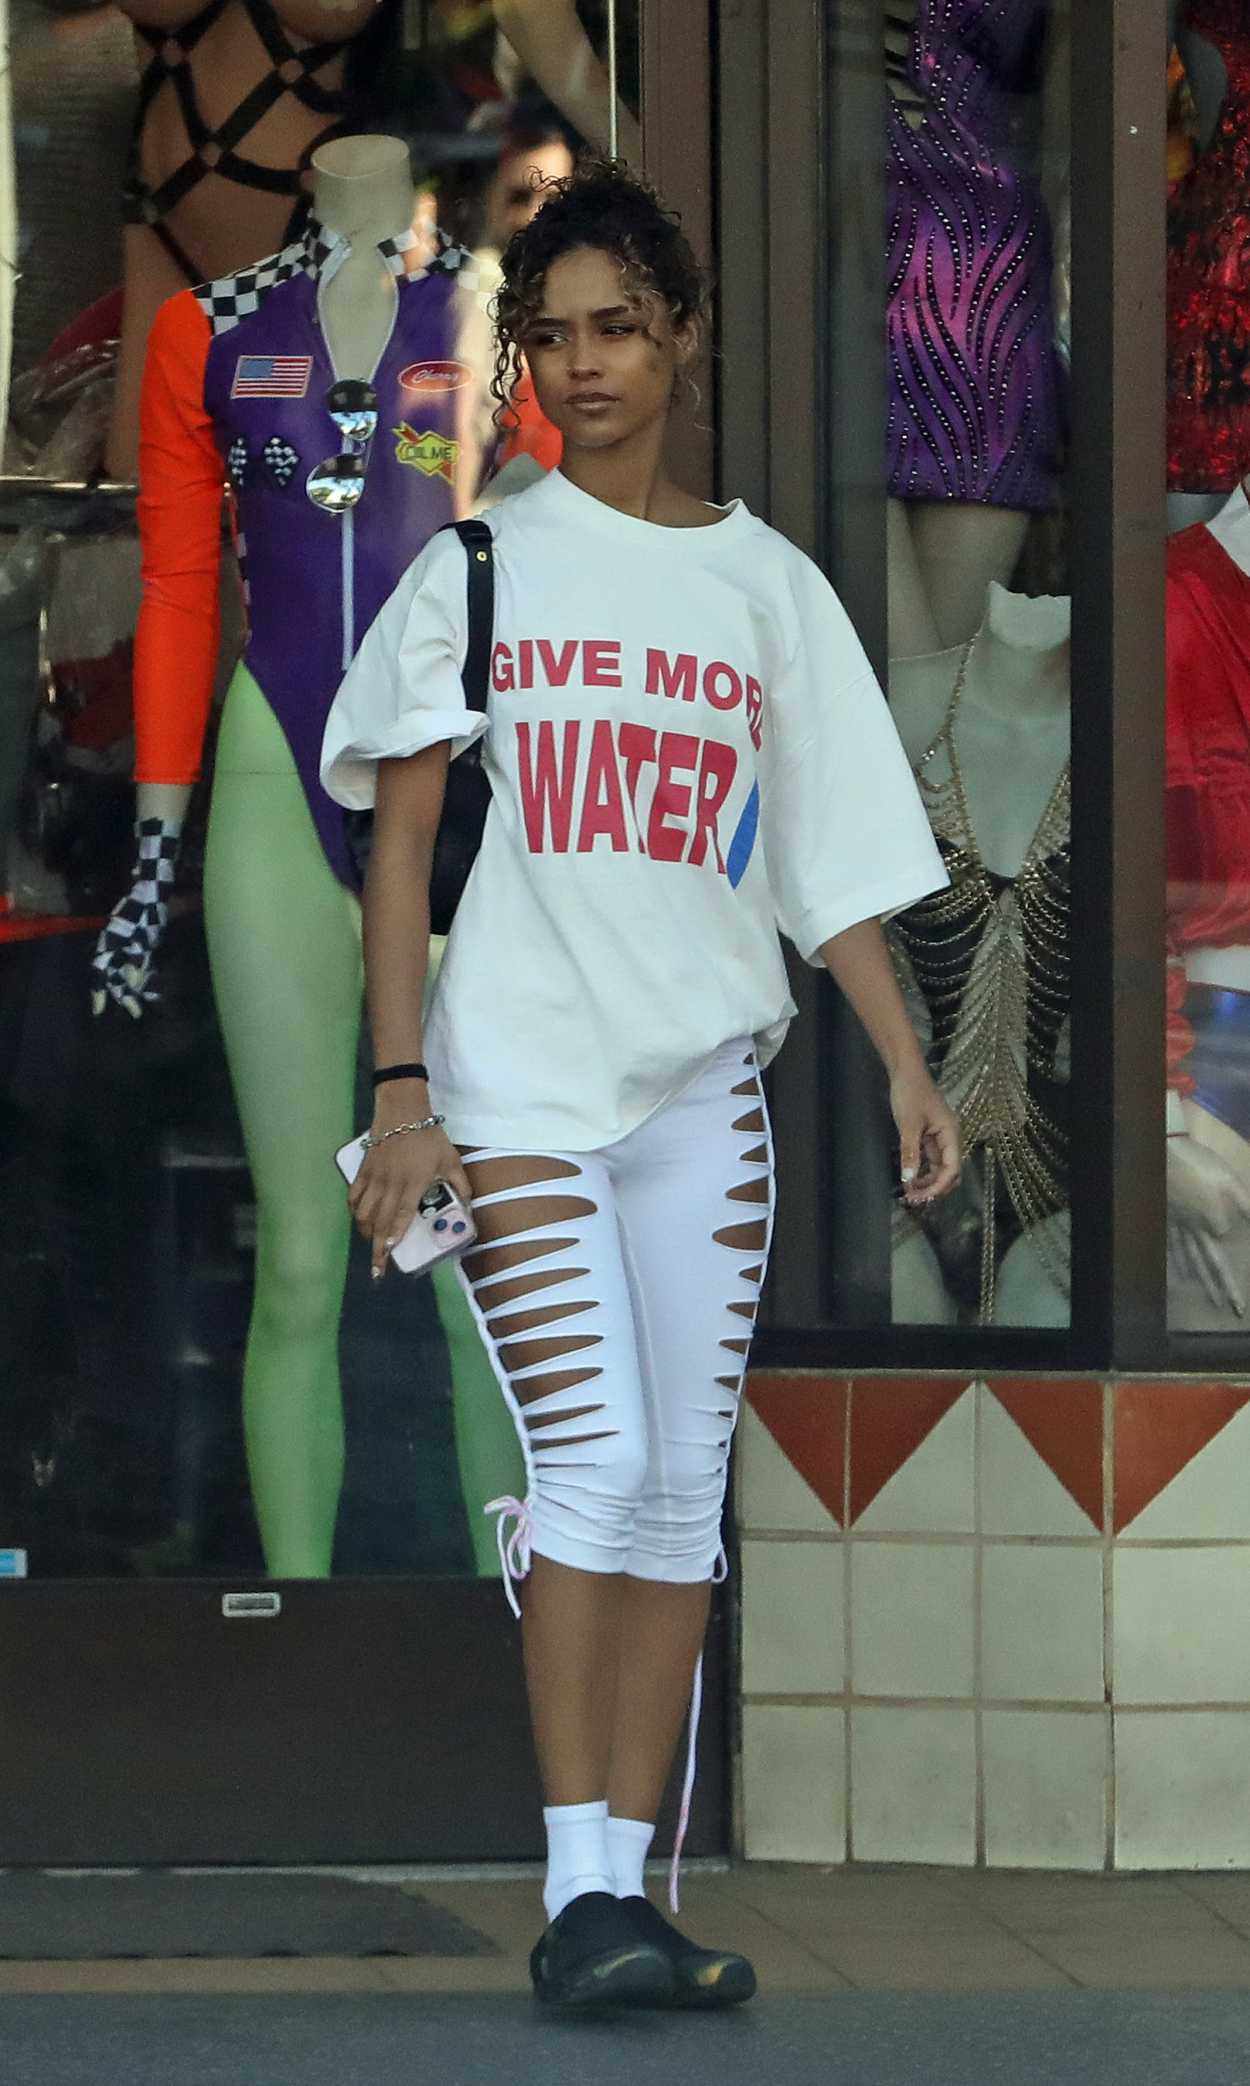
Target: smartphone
(442, 1229)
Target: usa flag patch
(271, 376)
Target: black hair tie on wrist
(400, 1072)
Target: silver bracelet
(429, 1122)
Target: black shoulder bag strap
(468, 791)
(475, 673)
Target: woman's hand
(930, 1148)
(386, 1194)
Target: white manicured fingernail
(909, 1173)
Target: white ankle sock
(629, 1843)
(577, 1854)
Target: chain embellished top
(989, 957)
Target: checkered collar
(318, 253)
(323, 253)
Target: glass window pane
(1208, 683)
(964, 159)
(200, 1376)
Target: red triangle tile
(1063, 1421)
(890, 1417)
(1159, 1428)
(806, 1416)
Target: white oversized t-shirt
(687, 750)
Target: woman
(686, 746)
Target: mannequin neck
(1231, 528)
(1022, 655)
(368, 206)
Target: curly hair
(601, 205)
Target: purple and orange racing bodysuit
(235, 393)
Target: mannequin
(985, 965)
(554, 48)
(1209, 920)
(1208, 339)
(973, 434)
(193, 217)
(281, 914)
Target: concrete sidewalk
(951, 1977)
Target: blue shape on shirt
(743, 842)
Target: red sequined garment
(1208, 766)
(1209, 277)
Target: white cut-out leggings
(616, 1291)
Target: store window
(979, 621)
(1208, 675)
(945, 222)
(198, 1374)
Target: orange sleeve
(180, 496)
(529, 432)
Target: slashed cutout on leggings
(747, 1237)
(514, 1216)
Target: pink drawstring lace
(514, 1549)
(719, 1576)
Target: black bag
(467, 798)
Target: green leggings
(284, 945)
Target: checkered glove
(121, 969)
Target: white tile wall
(793, 1782)
(1045, 1777)
(1209, 1497)
(771, 1494)
(935, 1491)
(1182, 1626)
(912, 1622)
(1182, 1789)
(1177, 1778)
(913, 1785)
(1041, 1624)
(793, 1631)
(1020, 1496)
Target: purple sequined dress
(973, 376)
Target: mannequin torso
(363, 191)
(985, 964)
(1014, 718)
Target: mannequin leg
(285, 951)
(284, 945)
(913, 631)
(960, 548)
(487, 1449)
(1028, 1292)
(918, 1295)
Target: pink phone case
(442, 1229)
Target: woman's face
(602, 361)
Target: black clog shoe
(702, 1977)
(593, 1955)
